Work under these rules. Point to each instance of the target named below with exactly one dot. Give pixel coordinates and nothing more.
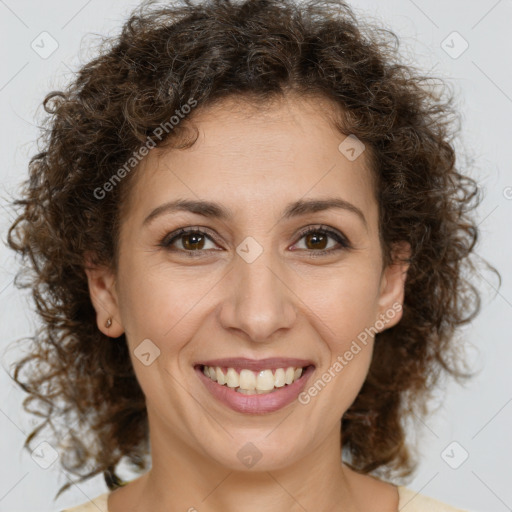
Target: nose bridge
(259, 301)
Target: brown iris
(197, 240)
(316, 237)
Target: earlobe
(392, 290)
(101, 282)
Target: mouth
(252, 386)
(249, 382)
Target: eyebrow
(217, 211)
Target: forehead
(256, 154)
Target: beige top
(409, 501)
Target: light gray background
(478, 416)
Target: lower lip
(256, 404)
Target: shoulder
(412, 501)
(98, 504)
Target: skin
(289, 303)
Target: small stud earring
(108, 323)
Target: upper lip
(271, 363)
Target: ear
(391, 297)
(101, 281)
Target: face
(250, 284)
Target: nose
(259, 301)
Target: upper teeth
(257, 382)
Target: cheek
(158, 302)
(346, 302)
(346, 311)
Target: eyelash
(168, 240)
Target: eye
(316, 239)
(192, 241)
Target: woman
(248, 237)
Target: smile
(251, 383)
(249, 387)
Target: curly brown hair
(255, 49)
